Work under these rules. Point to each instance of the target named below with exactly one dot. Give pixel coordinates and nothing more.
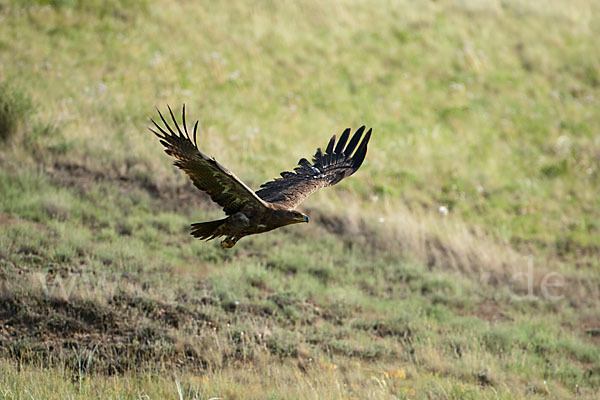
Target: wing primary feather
(184, 124)
(305, 163)
(155, 133)
(195, 131)
(329, 151)
(354, 141)
(330, 145)
(175, 121)
(164, 133)
(318, 157)
(361, 152)
(342, 142)
(165, 122)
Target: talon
(228, 243)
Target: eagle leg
(229, 242)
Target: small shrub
(14, 105)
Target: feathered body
(272, 206)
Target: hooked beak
(302, 219)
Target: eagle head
(297, 217)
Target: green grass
(487, 108)
(14, 106)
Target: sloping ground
(104, 293)
(86, 290)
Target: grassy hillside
(486, 109)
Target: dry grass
(484, 154)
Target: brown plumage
(272, 206)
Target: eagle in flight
(273, 205)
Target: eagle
(273, 205)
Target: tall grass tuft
(14, 105)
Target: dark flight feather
(354, 141)
(326, 170)
(208, 175)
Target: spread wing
(326, 170)
(223, 187)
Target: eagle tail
(207, 230)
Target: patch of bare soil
(128, 333)
(6, 220)
(592, 331)
(168, 196)
(491, 311)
